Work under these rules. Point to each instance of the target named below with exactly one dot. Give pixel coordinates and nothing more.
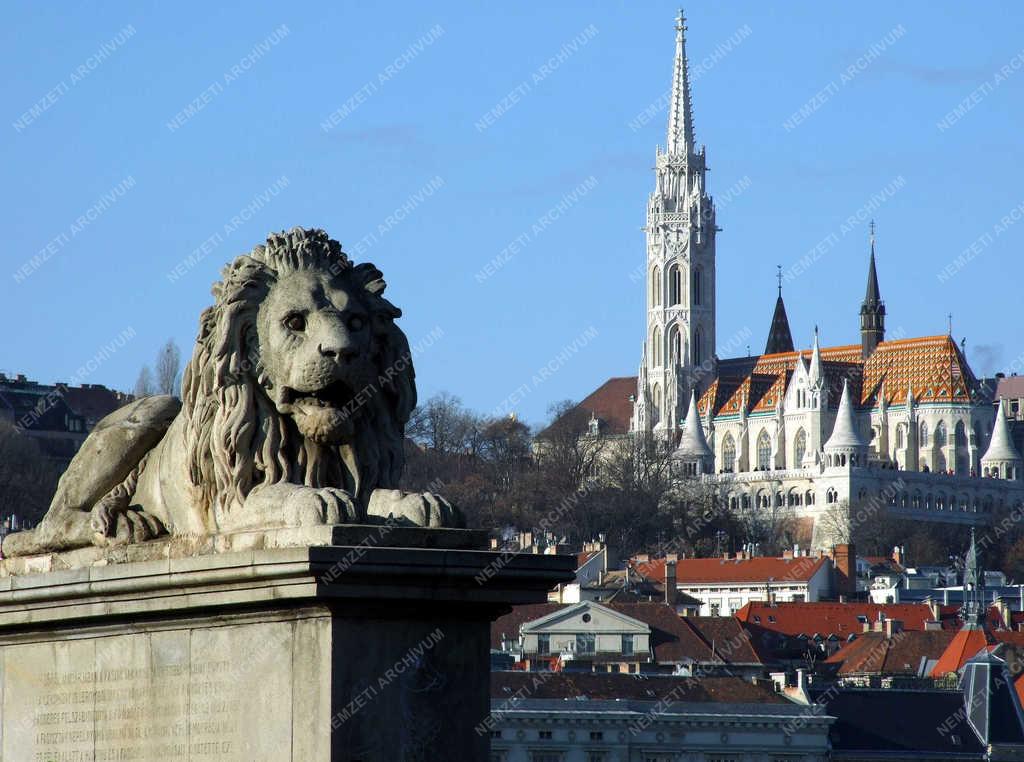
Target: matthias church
(897, 425)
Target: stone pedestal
(268, 651)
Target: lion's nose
(338, 352)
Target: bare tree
(144, 384)
(168, 363)
(28, 478)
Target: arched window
(899, 436)
(924, 434)
(831, 496)
(698, 346)
(675, 346)
(940, 434)
(656, 413)
(763, 499)
(728, 453)
(656, 347)
(675, 285)
(799, 448)
(656, 287)
(961, 456)
(809, 498)
(698, 286)
(764, 451)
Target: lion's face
(316, 345)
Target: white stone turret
(693, 452)
(1002, 459)
(846, 447)
(680, 281)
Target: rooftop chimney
(670, 583)
(844, 560)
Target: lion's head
(299, 375)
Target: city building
(725, 585)
(630, 638)
(58, 416)
(892, 424)
(561, 717)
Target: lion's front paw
(422, 509)
(116, 526)
(311, 506)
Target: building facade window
(675, 344)
(656, 287)
(764, 451)
(698, 286)
(728, 453)
(656, 347)
(627, 645)
(799, 447)
(544, 644)
(698, 346)
(675, 285)
(585, 643)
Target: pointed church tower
(872, 310)
(780, 339)
(973, 610)
(679, 354)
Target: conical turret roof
(844, 433)
(693, 442)
(1001, 447)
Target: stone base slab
(316, 653)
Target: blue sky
(301, 116)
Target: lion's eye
(356, 323)
(295, 322)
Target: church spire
(872, 310)
(680, 116)
(780, 338)
(973, 610)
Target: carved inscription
(172, 712)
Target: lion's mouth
(337, 395)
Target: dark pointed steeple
(872, 311)
(973, 609)
(780, 339)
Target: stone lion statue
(293, 412)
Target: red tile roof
(752, 570)
(872, 653)
(826, 618)
(1011, 387)
(611, 404)
(965, 645)
(968, 642)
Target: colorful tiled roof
(933, 367)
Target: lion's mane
(236, 439)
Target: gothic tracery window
(799, 448)
(675, 285)
(656, 287)
(656, 347)
(728, 453)
(674, 344)
(764, 451)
